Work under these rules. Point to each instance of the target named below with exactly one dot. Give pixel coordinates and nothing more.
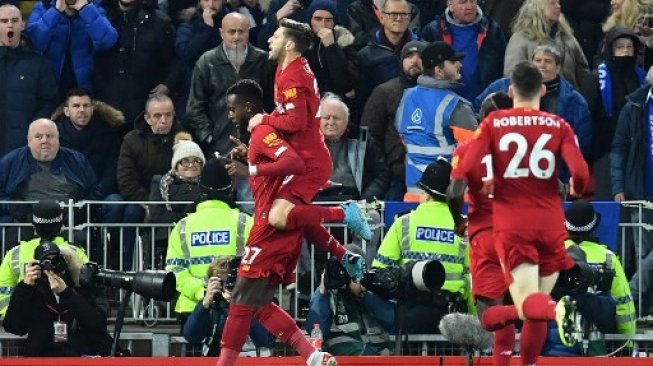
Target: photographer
(206, 322)
(59, 317)
(601, 293)
(353, 320)
(47, 219)
(427, 233)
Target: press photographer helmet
(404, 281)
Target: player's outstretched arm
(285, 161)
(574, 159)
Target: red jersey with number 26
(297, 98)
(479, 210)
(525, 145)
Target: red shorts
(302, 189)
(274, 258)
(545, 248)
(487, 275)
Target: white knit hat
(185, 148)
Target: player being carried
(528, 219)
(297, 116)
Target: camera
(402, 282)
(226, 269)
(157, 285)
(56, 264)
(583, 276)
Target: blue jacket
(17, 166)
(53, 32)
(571, 106)
(628, 152)
(199, 322)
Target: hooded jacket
(99, 141)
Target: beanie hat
(581, 219)
(185, 148)
(327, 5)
(45, 249)
(47, 212)
(215, 181)
(436, 177)
(412, 47)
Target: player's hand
(572, 191)
(288, 9)
(214, 287)
(619, 197)
(488, 187)
(236, 168)
(354, 264)
(460, 228)
(240, 151)
(32, 272)
(57, 284)
(326, 36)
(256, 120)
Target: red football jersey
(297, 98)
(525, 146)
(479, 206)
(265, 146)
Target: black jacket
(143, 58)
(206, 114)
(178, 190)
(143, 154)
(85, 317)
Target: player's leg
(504, 337)
(322, 238)
(285, 215)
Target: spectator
(176, 9)
(464, 27)
(561, 98)
(59, 317)
(424, 311)
(43, 170)
(47, 220)
(431, 117)
(353, 320)
(625, 13)
(631, 167)
(253, 11)
(379, 116)
(199, 238)
(29, 88)
(366, 18)
(502, 12)
(541, 22)
(618, 76)
(332, 57)
(585, 18)
(606, 306)
(380, 58)
(142, 63)
(145, 152)
(90, 127)
(199, 32)
(69, 33)
(279, 9)
(206, 323)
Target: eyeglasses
(187, 163)
(396, 16)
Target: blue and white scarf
(605, 85)
(648, 174)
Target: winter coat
(491, 41)
(80, 309)
(573, 60)
(54, 34)
(178, 190)
(334, 66)
(99, 141)
(143, 58)
(206, 114)
(29, 91)
(364, 23)
(628, 153)
(143, 155)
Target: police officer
(215, 229)
(427, 233)
(47, 219)
(609, 311)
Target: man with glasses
(145, 152)
(380, 58)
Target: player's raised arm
(573, 157)
(479, 146)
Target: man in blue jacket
(68, 33)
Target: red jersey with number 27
(479, 210)
(525, 145)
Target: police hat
(215, 181)
(47, 212)
(436, 177)
(581, 219)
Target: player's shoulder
(265, 135)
